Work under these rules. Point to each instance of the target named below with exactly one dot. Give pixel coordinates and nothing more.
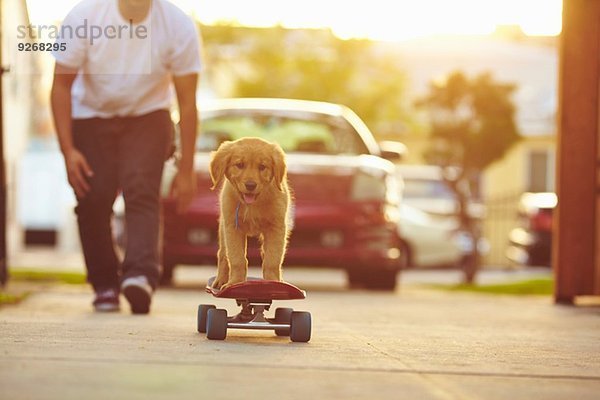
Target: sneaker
(138, 292)
(106, 300)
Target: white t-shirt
(125, 69)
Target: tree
(472, 126)
(310, 64)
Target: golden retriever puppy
(254, 201)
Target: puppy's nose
(250, 186)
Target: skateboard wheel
(216, 324)
(283, 316)
(202, 311)
(300, 328)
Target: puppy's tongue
(249, 198)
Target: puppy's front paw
(232, 282)
(272, 276)
(219, 282)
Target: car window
(426, 188)
(298, 132)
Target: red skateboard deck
(257, 289)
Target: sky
(375, 19)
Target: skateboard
(255, 296)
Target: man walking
(111, 100)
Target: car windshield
(300, 132)
(426, 188)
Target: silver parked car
(429, 242)
(429, 227)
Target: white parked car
(425, 189)
(430, 242)
(429, 227)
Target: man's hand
(78, 169)
(78, 172)
(184, 188)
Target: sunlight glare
(374, 19)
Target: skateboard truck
(255, 296)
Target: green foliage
(310, 64)
(34, 275)
(12, 298)
(542, 287)
(472, 121)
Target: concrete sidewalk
(412, 344)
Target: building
(21, 99)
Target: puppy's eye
(262, 167)
(240, 165)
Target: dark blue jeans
(126, 154)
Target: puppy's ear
(218, 163)
(279, 166)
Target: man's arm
(184, 186)
(78, 169)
